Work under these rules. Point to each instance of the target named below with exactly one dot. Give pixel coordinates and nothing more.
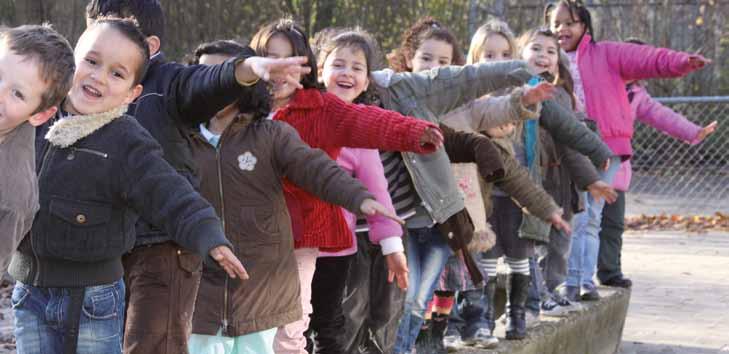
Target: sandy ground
(679, 304)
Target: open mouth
(563, 38)
(90, 91)
(345, 85)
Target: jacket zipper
(93, 152)
(44, 163)
(222, 219)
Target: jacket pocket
(83, 231)
(259, 237)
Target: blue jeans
(469, 315)
(427, 254)
(586, 235)
(40, 318)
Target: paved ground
(679, 305)
(680, 300)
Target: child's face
(345, 73)
(106, 65)
(501, 131)
(569, 32)
(280, 47)
(496, 48)
(21, 91)
(432, 53)
(542, 55)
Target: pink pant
(290, 338)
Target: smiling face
(496, 48)
(21, 90)
(106, 65)
(280, 47)
(432, 53)
(542, 54)
(568, 28)
(345, 73)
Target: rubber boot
(438, 328)
(516, 317)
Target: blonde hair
(492, 27)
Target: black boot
(424, 340)
(438, 328)
(516, 318)
(490, 310)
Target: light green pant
(253, 343)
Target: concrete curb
(596, 329)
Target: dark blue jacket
(92, 194)
(176, 98)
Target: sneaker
(590, 293)
(453, 343)
(619, 282)
(551, 308)
(570, 293)
(482, 339)
(564, 303)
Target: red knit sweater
(328, 123)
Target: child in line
(175, 98)
(345, 65)
(254, 154)
(324, 121)
(599, 71)
(69, 268)
(37, 70)
(664, 119)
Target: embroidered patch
(247, 162)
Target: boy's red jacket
(328, 123)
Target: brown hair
(490, 28)
(53, 54)
(564, 77)
(426, 28)
(299, 42)
(129, 28)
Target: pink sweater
(365, 165)
(649, 111)
(604, 69)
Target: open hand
(228, 261)
(397, 269)
(289, 69)
(559, 223)
(372, 207)
(706, 131)
(601, 190)
(537, 94)
(697, 62)
(433, 136)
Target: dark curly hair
(426, 28)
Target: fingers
(711, 127)
(381, 210)
(432, 136)
(402, 281)
(390, 276)
(229, 262)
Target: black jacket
(92, 193)
(177, 98)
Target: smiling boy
(36, 69)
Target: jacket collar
(584, 43)
(70, 129)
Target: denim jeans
(427, 254)
(40, 319)
(537, 289)
(585, 234)
(469, 314)
(555, 258)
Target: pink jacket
(604, 69)
(365, 165)
(649, 111)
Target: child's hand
(228, 261)
(372, 207)
(397, 269)
(606, 165)
(432, 136)
(537, 94)
(601, 190)
(559, 223)
(705, 131)
(697, 62)
(289, 70)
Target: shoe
(490, 290)
(590, 293)
(619, 282)
(483, 338)
(564, 303)
(453, 343)
(516, 322)
(570, 293)
(551, 308)
(439, 326)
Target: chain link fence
(672, 177)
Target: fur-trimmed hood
(70, 129)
